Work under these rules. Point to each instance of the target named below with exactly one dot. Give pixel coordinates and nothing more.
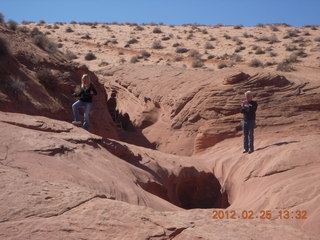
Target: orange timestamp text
(263, 214)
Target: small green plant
(255, 63)
(90, 56)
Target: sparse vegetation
(4, 47)
(194, 54)
(1, 18)
(182, 50)
(239, 49)
(290, 47)
(165, 38)
(47, 79)
(255, 63)
(134, 59)
(285, 67)
(145, 54)
(12, 25)
(197, 63)
(274, 28)
(90, 56)
(44, 43)
(238, 27)
(69, 30)
(139, 28)
(226, 36)
(13, 85)
(157, 30)
(222, 65)
(208, 46)
(260, 51)
(132, 41)
(71, 55)
(157, 44)
(247, 35)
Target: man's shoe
(244, 151)
(77, 123)
(250, 151)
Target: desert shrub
(204, 31)
(260, 25)
(237, 40)
(4, 47)
(208, 46)
(194, 54)
(69, 30)
(273, 39)
(190, 36)
(73, 22)
(317, 39)
(71, 55)
(293, 58)
(59, 45)
(165, 38)
(274, 28)
(178, 59)
(132, 41)
(222, 65)
(157, 30)
(239, 49)
(197, 63)
(255, 63)
(176, 45)
(211, 57)
(247, 35)
(134, 59)
(145, 54)
(254, 47)
(301, 53)
(290, 47)
(1, 18)
(285, 67)
(47, 79)
(237, 58)
(13, 85)
(226, 36)
(44, 43)
(157, 44)
(24, 29)
(263, 38)
(12, 25)
(212, 38)
(182, 50)
(238, 26)
(273, 54)
(139, 28)
(90, 56)
(87, 36)
(299, 40)
(42, 22)
(260, 51)
(268, 64)
(292, 33)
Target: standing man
(248, 108)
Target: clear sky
(175, 12)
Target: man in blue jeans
(248, 108)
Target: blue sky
(176, 12)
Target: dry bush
(239, 49)
(4, 47)
(145, 54)
(182, 50)
(178, 59)
(157, 44)
(274, 28)
(260, 25)
(47, 79)
(132, 41)
(291, 47)
(71, 55)
(165, 38)
(285, 67)
(69, 30)
(211, 57)
(194, 54)
(90, 56)
(247, 35)
(157, 30)
(226, 36)
(134, 59)
(87, 36)
(208, 46)
(212, 38)
(273, 54)
(222, 65)
(238, 26)
(260, 51)
(24, 29)
(176, 45)
(255, 63)
(1, 18)
(139, 28)
(197, 63)
(13, 85)
(12, 25)
(44, 43)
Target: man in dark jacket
(248, 108)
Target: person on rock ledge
(248, 109)
(86, 93)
